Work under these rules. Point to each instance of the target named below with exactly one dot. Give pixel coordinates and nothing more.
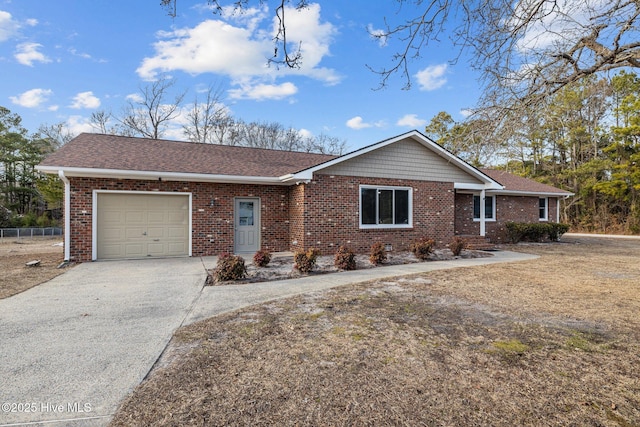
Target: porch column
(482, 213)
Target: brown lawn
(554, 341)
(16, 277)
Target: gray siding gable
(405, 159)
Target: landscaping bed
(281, 267)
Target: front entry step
(478, 243)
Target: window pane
(385, 207)
(543, 208)
(245, 216)
(488, 207)
(368, 207)
(476, 207)
(402, 207)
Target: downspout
(482, 213)
(558, 209)
(67, 215)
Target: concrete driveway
(72, 348)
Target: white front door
(247, 225)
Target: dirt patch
(16, 276)
(281, 267)
(552, 341)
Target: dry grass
(16, 277)
(547, 342)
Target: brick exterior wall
(331, 214)
(323, 213)
(213, 228)
(508, 208)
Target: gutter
(67, 215)
(157, 175)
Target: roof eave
(160, 176)
(532, 193)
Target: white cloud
(377, 35)
(465, 112)
(79, 124)
(31, 22)
(358, 123)
(32, 98)
(75, 52)
(432, 77)
(261, 92)
(411, 120)
(305, 133)
(8, 27)
(27, 54)
(238, 46)
(85, 100)
(134, 97)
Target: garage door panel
(135, 217)
(177, 217)
(112, 217)
(111, 251)
(132, 250)
(176, 247)
(141, 225)
(134, 233)
(157, 217)
(112, 233)
(157, 249)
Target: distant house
(137, 198)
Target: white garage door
(142, 225)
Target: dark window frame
(383, 206)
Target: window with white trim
(489, 208)
(386, 207)
(543, 208)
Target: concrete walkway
(73, 348)
(216, 300)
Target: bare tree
(204, 117)
(149, 115)
(57, 134)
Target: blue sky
(62, 60)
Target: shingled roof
(517, 184)
(121, 153)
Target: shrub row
(232, 267)
(536, 232)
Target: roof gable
(451, 168)
(405, 159)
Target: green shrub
(457, 245)
(43, 220)
(262, 258)
(5, 217)
(345, 259)
(423, 248)
(557, 230)
(377, 255)
(305, 261)
(230, 267)
(28, 220)
(535, 232)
